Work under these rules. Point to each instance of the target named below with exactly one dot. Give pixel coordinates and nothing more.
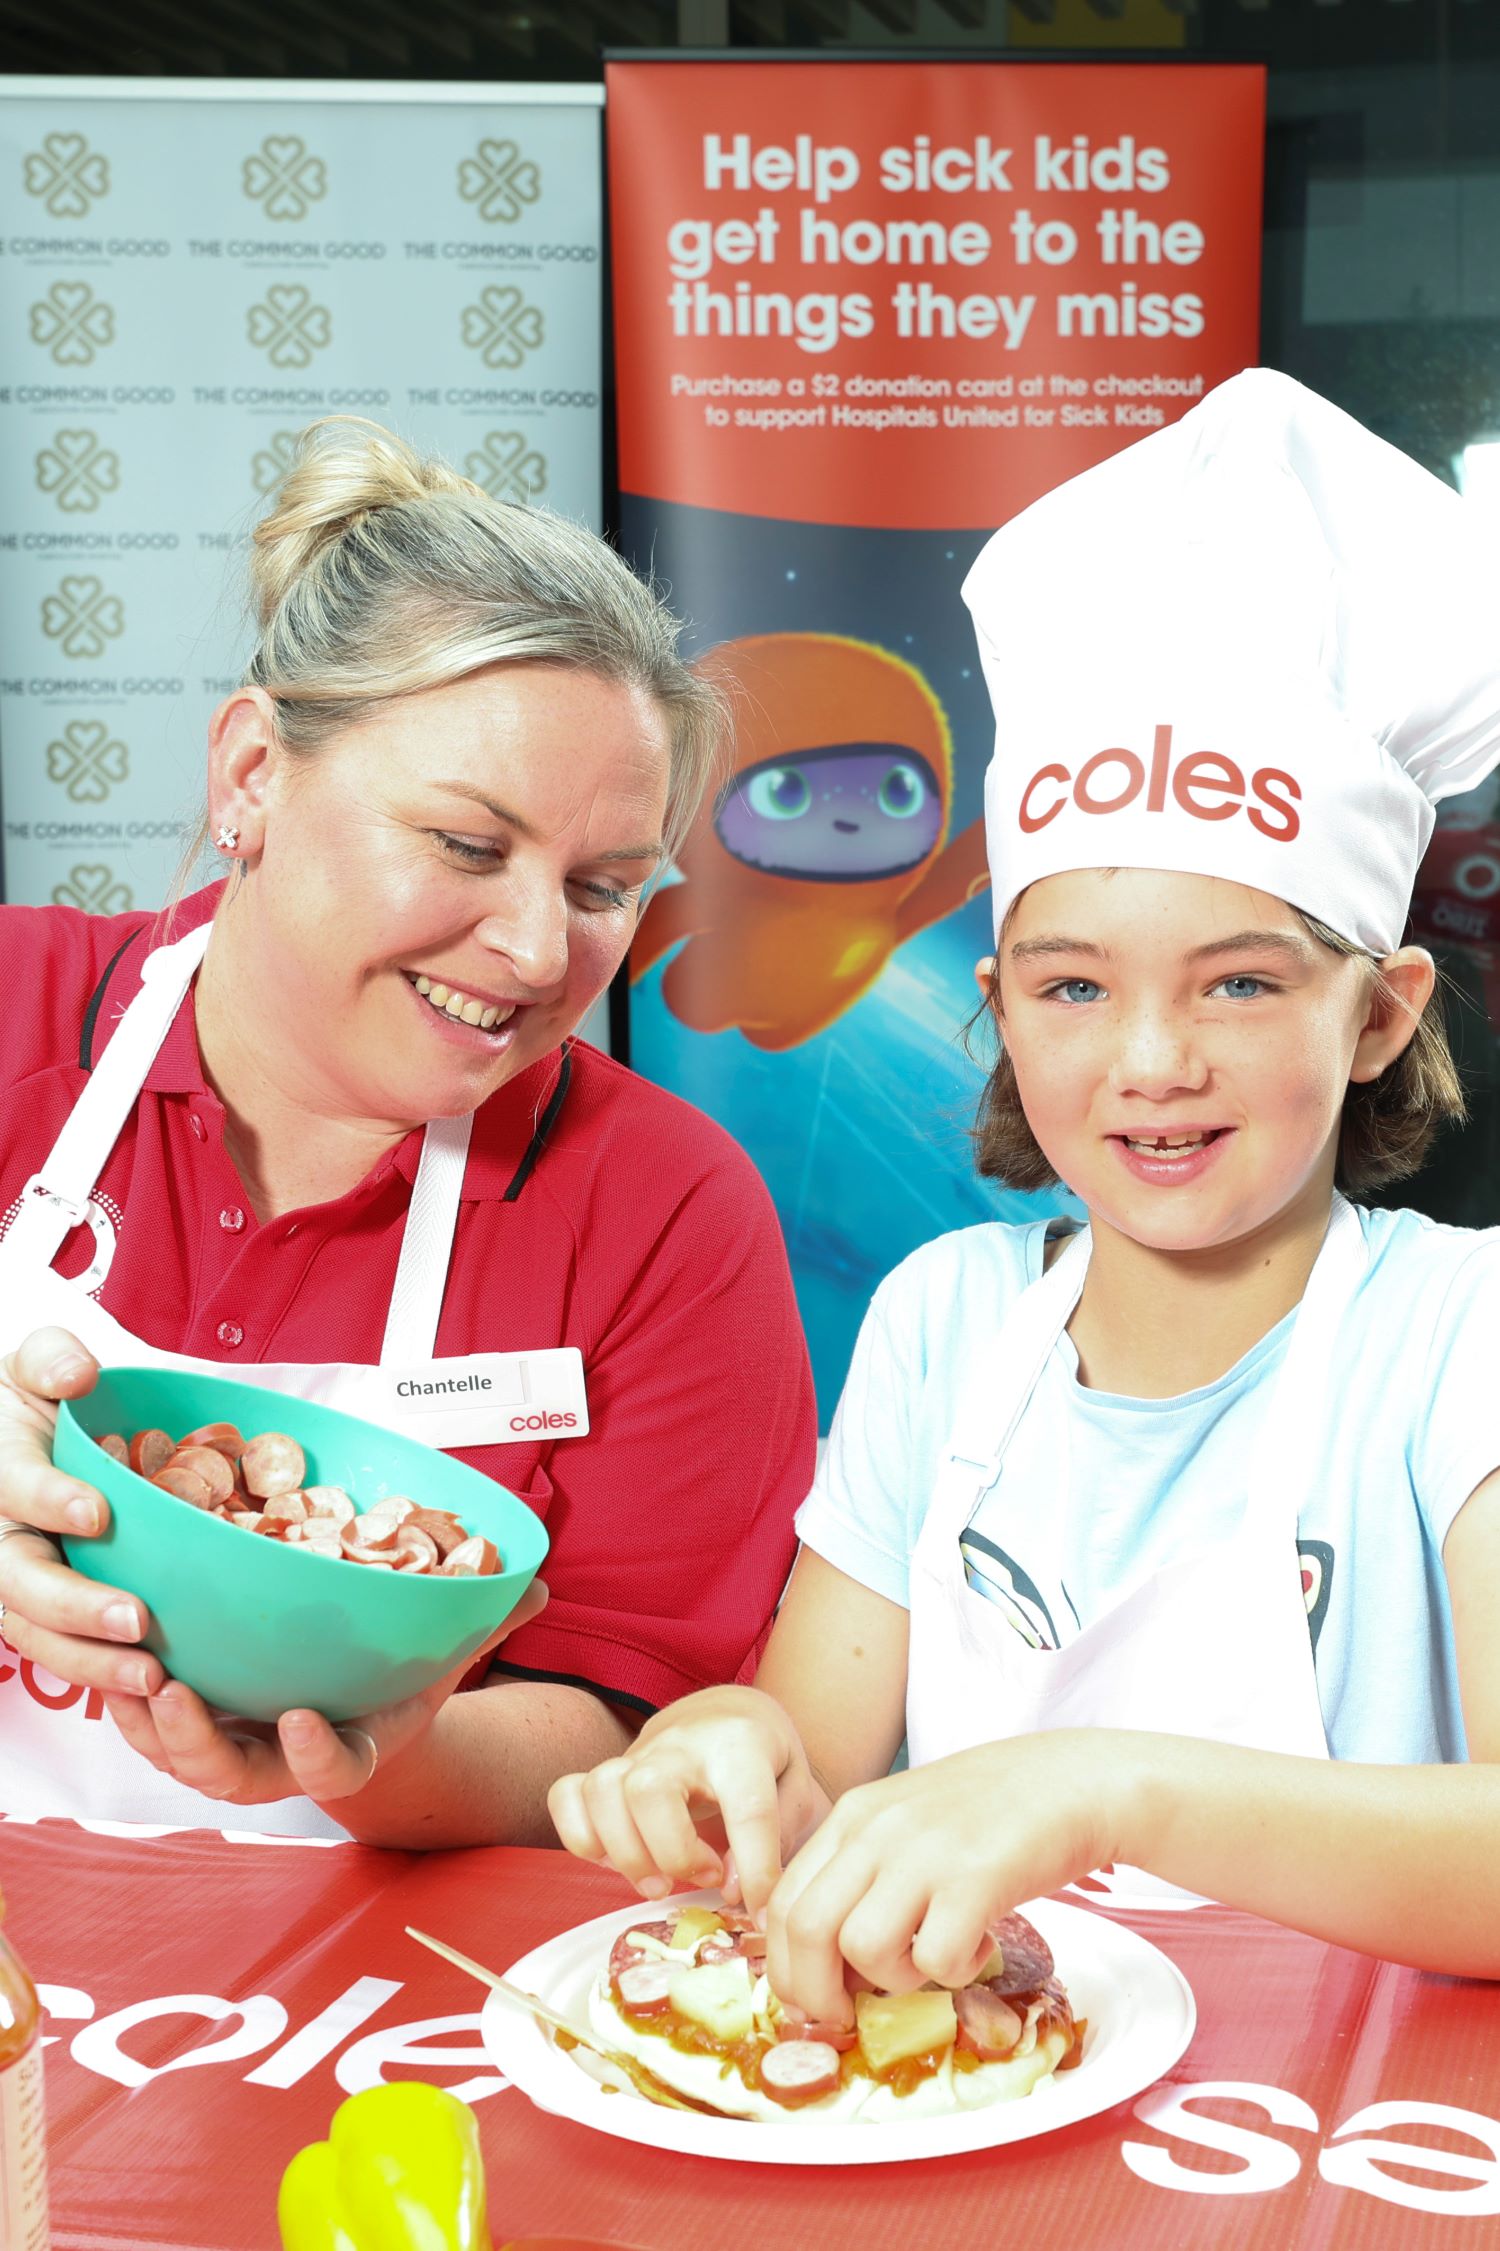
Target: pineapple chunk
(992, 1966)
(692, 1924)
(716, 1995)
(893, 2026)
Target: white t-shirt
(1097, 1492)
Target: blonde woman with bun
(463, 746)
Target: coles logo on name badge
(1206, 785)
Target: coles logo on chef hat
(1258, 644)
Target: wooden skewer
(645, 2082)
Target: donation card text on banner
(190, 272)
(864, 313)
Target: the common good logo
(72, 323)
(284, 178)
(508, 467)
(86, 761)
(96, 890)
(271, 464)
(288, 327)
(80, 617)
(77, 470)
(502, 328)
(498, 180)
(67, 175)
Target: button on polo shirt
(597, 1211)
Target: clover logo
(67, 175)
(93, 889)
(271, 464)
(502, 328)
(283, 178)
(499, 179)
(77, 470)
(86, 762)
(73, 323)
(288, 326)
(507, 467)
(81, 617)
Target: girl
(1177, 1543)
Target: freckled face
(490, 837)
(1182, 1047)
(842, 815)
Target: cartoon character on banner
(828, 850)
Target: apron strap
(426, 1247)
(1020, 1348)
(55, 1199)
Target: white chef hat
(1259, 644)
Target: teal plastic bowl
(258, 1628)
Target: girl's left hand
(906, 1875)
(240, 1762)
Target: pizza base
(866, 2101)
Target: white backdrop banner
(190, 271)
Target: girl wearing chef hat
(1170, 1545)
(323, 1126)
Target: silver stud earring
(227, 839)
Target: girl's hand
(83, 1632)
(240, 1762)
(726, 1752)
(904, 1878)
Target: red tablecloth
(212, 2001)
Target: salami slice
(798, 2071)
(1028, 1957)
(623, 1953)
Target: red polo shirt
(597, 1211)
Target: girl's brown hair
(1388, 1124)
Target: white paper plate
(1140, 2015)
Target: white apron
(59, 1751)
(1213, 1646)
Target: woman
(464, 744)
(1173, 1546)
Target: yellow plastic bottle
(23, 2134)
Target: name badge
(483, 1399)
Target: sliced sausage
(987, 2026)
(272, 1464)
(396, 1506)
(644, 1988)
(798, 2071)
(794, 2026)
(474, 1559)
(413, 1550)
(371, 1532)
(441, 1527)
(185, 1484)
(113, 1445)
(209, 1464)
(328, 1503)
(286, 1508)
(222, 1436)
(149, 1451)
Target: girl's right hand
(53, 1615)
(726, 1752)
